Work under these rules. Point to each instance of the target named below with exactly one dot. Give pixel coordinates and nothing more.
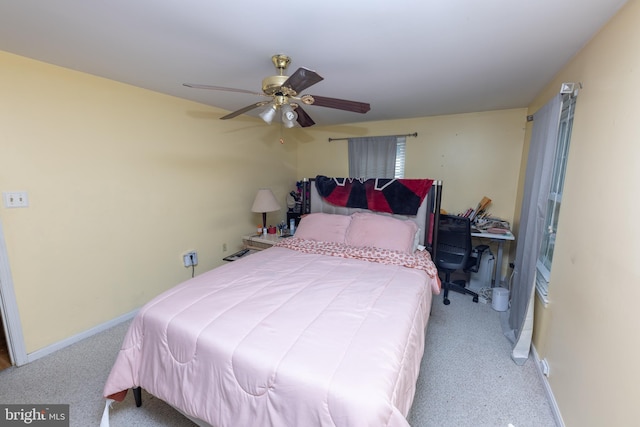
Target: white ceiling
(407, 58)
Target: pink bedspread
(283, 338)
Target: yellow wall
(121, 181)
(475, 155)
(589, 331)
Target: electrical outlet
(544, 367)
(15, 199)
(190, 258)
(224, 247)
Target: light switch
(15, 199)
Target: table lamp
(265, 202)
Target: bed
(323, 329)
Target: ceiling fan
(284, 93)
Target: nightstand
(259, 241)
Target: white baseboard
(547, 388)
(79, 337)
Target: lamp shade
(268, 114)
(265, 201)
(289, 116)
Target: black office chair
(454, 253)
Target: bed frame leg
(137, 395)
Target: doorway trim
(9, 309)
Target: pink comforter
(283, 338)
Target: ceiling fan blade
(226, 89)
(303, 118)
(302, 79)
(341, 104)
(244, 110)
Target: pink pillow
(323, 227)
(381, 231)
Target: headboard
(427, 216)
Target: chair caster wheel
(475, 299)
(446, 301)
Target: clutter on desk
(480, 211)
(482, 221)
(492, 225)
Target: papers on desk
(494, 230)
(481, 222)
(492, 225)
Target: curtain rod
(415, 134)
(570, 89)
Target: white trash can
(500, 299)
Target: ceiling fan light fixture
(289, 116)
(282, 90)
(268, 114)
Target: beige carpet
(467, 378)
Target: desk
(500, 238)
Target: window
(554, 201)
(401, 144)
(377, 157)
